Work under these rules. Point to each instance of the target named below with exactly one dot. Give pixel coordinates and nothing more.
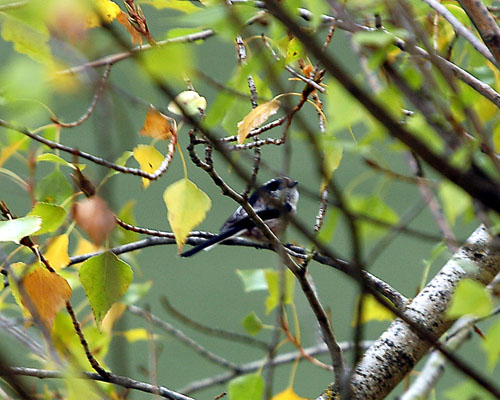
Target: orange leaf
(158, 125)
(256, 117)
(135, 36)
(47, 292)
(95, 218)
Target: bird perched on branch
(274, 202)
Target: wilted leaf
(252, 323)
(95, 218)
(187, 206)
(149, 160)
(15, 229)
(158, 125)
(372, 311)
(190, 101)
(273, 284)
(52, 216)
(253, 279)
(57, 252)
(246, 387)
(47, 292)
(470, 297)
(287, 394)
(105, 278)
(256, 117)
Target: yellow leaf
(373, 311)
(57, 252)
(256, 117)
(107, 11)
(47, 293)
(287, 394)
(187, 206)
(158, 125)
(134, 335)
(8, 151)
(149, 160)
(85, 246)
(113, 315)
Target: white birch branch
(399, 348)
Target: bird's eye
(273, 185)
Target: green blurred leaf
(172, 62)
(332, 151)
(372, 206)
(127, 215)
(53, 158)
(491, 345)
(468, 390)
(27, 39)
(246, 387)
(470, 297)
(253, 279)
(455, 201)
(184, 5)
(329, 225)
(54, 188)
(178, 32)
(273, 284)
(252, 323)
(105, 278)
(373, 38)
(52, 216)
(15, 229)
(135, 292)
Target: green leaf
(470, 297)
(332, 151)
(127, 215)
(27, 40)
(53, 158)
(105, 278)
(253, 279)
(15, 229)
(455, 201)
(468, 390)
(372, 206)
(171, 62)
(376, 38)
(294, 50)
(491, 345)
(54, 188)
(247, 387)
(252, 323)
(273, 283)
(52, 216)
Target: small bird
(274, 202)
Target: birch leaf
(149, 160)
(187, 206)
(158, 125)
(256, 117)
(15, 229)
(48, 292)
(57, 252)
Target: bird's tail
(212, 241)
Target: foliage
(385, 112)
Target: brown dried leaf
(95, 218)
(158, 125)
(256, 117)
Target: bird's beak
(293, 184)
